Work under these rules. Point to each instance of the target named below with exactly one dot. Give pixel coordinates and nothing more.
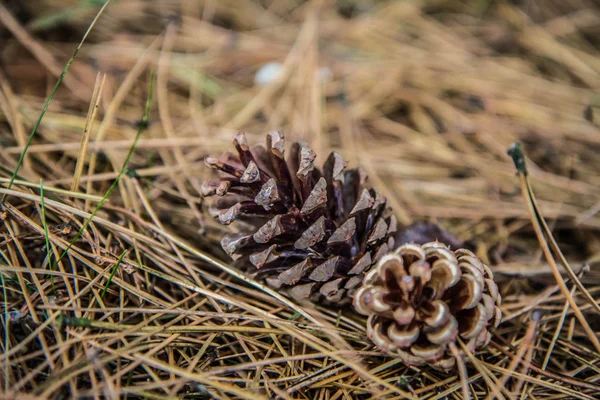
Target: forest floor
(113, 282)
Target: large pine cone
(309, 232)
(419, 299)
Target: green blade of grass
(112, 273)
(46, 234)
(143, 124)
(10, 171)
(58, 82)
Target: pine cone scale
(317, 198)
(361, 265)
(292, 275)
(446, 333)
(313, 235)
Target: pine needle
(516, 153)
(87, 131)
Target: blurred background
(425, 95)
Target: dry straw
(113, 283)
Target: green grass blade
(46, 234)
(58, 82)
(112, 273)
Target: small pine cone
(309, 232)
(419, 299)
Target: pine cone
(419, 299)
(309, 232)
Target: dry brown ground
(135, 298)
